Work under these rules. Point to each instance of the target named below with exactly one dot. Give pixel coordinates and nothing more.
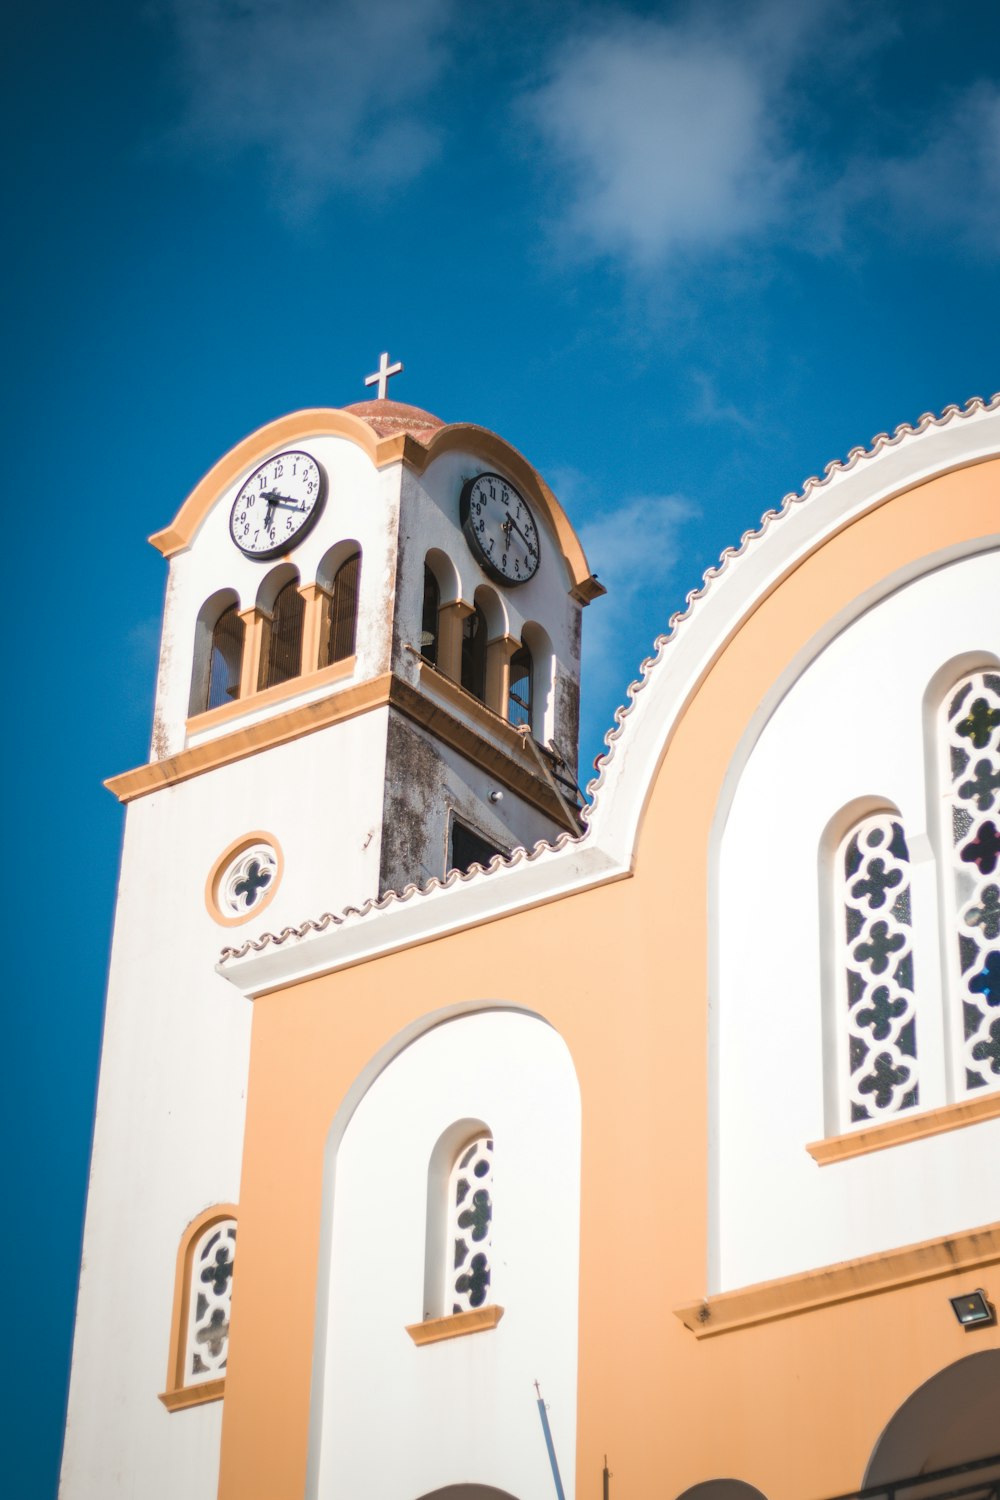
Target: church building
(464, 1137)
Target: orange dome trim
(401, 446)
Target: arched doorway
(952, 1419)
(722, 1489)
(469, 1492)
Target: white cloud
(669, 134)
(333, 92)
(669, 140)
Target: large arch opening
(953, 1418)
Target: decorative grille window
(429, 618)
(972, 768)
(281, 658)
(881, 1061)
(226, 659)
(470, 1226)
(474, 633)
(519, 691)
(341, 630)
(248, 878)
(209, 1300)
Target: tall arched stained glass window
(971, 764)
(881, 1054)
(470, 1227)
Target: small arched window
(519, 703)
(429, 618)
(341, 617)
(281, 658)
(199, 1344)
(474, 632)
(880, 1055)
(971, 767)
(226, 658)
(470, 1227)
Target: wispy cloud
(333, 92)
(669, 140)
(667, 133)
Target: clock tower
(368, 680)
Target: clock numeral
(279, 469)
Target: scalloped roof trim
(517, 857)
(883, 440)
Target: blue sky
(682, 256)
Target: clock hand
(273, 498)
(511, 522)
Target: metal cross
(382, 374)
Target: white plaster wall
(850, 726)
(397, 1421)
(171, 1100)
(362, 503)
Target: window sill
(194, 1395)
(306, 682)
(433, 1330)
(912, 1126)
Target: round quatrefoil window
(244, 879)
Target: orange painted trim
(253, 738)
(194, 1395)
(865, 1276)
(321, 677)
(898, 1131)
(175, 1396)
(509, 766)
(211, 884)
(403, 447)
(455, 1326)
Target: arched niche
(446, 573)
(950, 1419)
(333, 560)
(272, 583)
(482, 1064)
(494, 609)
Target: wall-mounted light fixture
(974, 1309)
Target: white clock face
(277, 505)
(500, 528)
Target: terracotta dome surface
(388, 418)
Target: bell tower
(371, 637)
(368, 678)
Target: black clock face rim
(472, 536)
(282, 549)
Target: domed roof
(388, 418)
